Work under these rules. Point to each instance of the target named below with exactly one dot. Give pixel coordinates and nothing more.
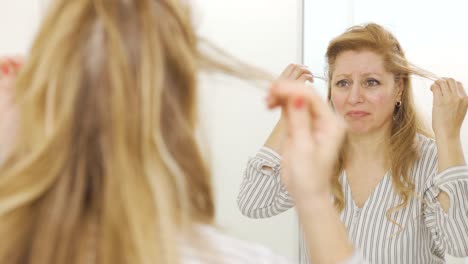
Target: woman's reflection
(401, 190)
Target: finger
(461, 89)
(298, 121)
(19, 60)
(9, 65)
(288, 71)
(452, 85)
(435, 88)
(282, 91)
(298, 71)
(4, 68)
(16, 64)
(444, 90)
(306, 77)
(13, 66)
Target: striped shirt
(426, 234)
(218, 247)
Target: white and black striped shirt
(426, 232)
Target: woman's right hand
(293, 72)
(314, 134)
(296, 72)
(314, 137)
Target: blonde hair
(106, 166)
(407, 123)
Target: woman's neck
(369, 147)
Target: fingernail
(16, 64)
(298, 103)
(5, 70)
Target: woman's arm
(310, 153)
(293, 72)
(446, 193)
(261, 193)
(449, 110)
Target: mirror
(272, 34)
(430, 33)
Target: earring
(396, 112)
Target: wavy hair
(407, 123)
(105, 166)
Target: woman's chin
(358, 130)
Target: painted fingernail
(16, 64)
(298, 103)
(5, 70)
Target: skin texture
(363, 92)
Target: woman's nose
(355, 95)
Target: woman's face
(363, 92)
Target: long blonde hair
(106, 166)
(407, 123)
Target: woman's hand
(9, 68)
(449, 108)
(314, 137)
(294, 72)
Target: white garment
(224, 249)
(427, 232)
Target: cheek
(339, 101)
(382, 103)
(380, 99)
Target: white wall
(430, 32)
(18, 23)
(236, 113)
(264, 33)
(261, 32)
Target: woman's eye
(372, 82)
(342, 83)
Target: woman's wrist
(314, 200)
(450, 152)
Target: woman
(402, 195)
(100, 162)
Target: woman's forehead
(359, 63)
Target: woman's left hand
(449, 108)
(9, 67)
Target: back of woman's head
(406, 120)
(105, 166)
